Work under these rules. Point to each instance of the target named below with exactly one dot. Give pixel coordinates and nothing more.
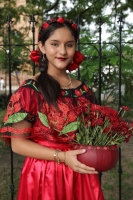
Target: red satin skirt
(46, 180)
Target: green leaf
(73, 126)
(43, 118)
(17, 117)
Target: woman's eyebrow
(59, 41)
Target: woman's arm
(29, 148)
(26, 147)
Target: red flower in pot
(99, 130)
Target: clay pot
(102, 158)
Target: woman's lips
(62, 59)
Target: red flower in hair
(34, 55)
(60, 20)
(77, 59)
(45, 25)
(52, 19)
(74, 26)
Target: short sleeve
(22, 106)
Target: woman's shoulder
(29, 84)
(35, 77)
(78, 84)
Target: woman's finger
(84, 168)
(79, 151)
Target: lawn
(110, 179)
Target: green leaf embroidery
(43, 118)
(32, 85)
(17, 117)
(73, 126)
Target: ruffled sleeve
(22, 106)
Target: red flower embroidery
(71, 116)
(78, 93)
(57, 122)
(62, 93)
(13, 106)
(15, 97)
(44, 108)
(17, 107)
(8, 113)
(85, 88)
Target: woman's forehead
(62, 34)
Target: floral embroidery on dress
(13, 106)
(31, 84)
(17, 117)
(57, 119)
(75, 92)
(53, 120)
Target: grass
(110, 179)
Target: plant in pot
(100, 130)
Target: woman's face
(59, 49)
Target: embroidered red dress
(42, 179)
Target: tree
(87, 13)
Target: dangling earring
(43, 58)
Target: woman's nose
(63, 50)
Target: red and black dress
(42, 179)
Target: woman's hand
(75, 165)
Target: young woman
(37, 113)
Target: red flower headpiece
(58, 20)
(45, 25)
(77, 59)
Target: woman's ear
(41, 47)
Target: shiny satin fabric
(46, 180)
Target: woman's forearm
(29, 148)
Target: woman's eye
(69, 45)
(54, 44)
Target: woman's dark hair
(48, 86)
